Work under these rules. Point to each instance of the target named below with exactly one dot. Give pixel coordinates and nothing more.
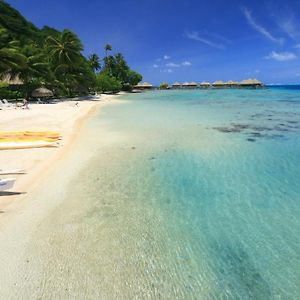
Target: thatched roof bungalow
(231, 83)
(219, 83)
(251, 83)
(11, 80)
(143, 86)
(204, 84)
(190, 84)
(193, 84)
(176, 85)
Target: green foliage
(10, 56)
(18, 27)
(107, 83)
(94, 62)
(134, 78)
(54, 59)
(64, 48)
(116, 66)
(6, 93)
(163, 85)
(107, 48)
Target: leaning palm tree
(107, 47)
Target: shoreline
(39, 162)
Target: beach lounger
(6, 103)
(11, 172)
(6, 184)
(3, 105)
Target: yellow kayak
(49, 134)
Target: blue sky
(184, 40)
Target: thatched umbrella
(41, 92)
(204, 84)
(251, 82)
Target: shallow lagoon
(186, 195)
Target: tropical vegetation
(54, 59)
(163, 85)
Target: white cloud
(259, 28)
(155, 66)
(290, 28)
(167, 56)
(166, 71)
(186, 63)
(172, 65)
(297, 46)
(194, 35)
(281, 56)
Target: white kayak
(26, 145)
(6, 184)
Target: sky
(170, 40)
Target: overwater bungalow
(193, 84)
(204, 84)
(232, 83)
(143, 86)
(251, 83)
(176, 85)
(189, 85)
(219, 84)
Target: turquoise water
(188, 195)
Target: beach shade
(41, 92)
(176, 84)
(186, 84)
(251, 82)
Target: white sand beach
(64, 117)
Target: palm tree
(64, 55)
(65, 48)
(94, 62)
(10, 56)
(35, 69)
(107, 47)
